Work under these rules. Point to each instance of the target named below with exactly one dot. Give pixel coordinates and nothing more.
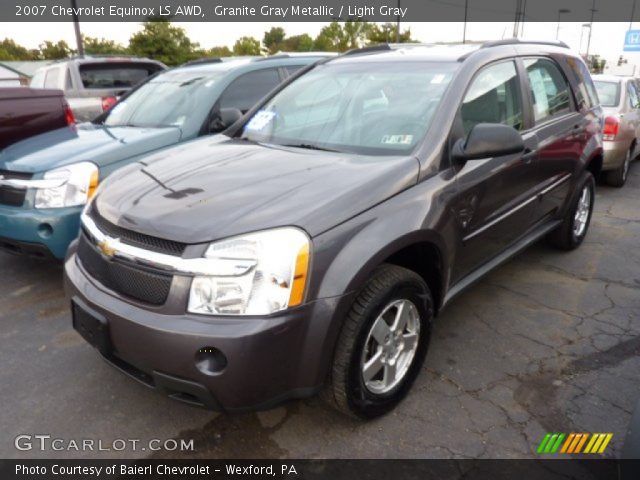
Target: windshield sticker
(260, 120)
(397, 139)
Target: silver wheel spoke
(390, 374)
(373, 366)
(410, 341)
(380, 330)
(402, 317)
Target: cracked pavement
(548, 342)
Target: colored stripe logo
(574, 443)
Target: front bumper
(39, 233)
(268, 359)
(614, 154)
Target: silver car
(92, 85)
(620, 100)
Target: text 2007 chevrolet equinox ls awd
(311, 245)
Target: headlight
(69, 186)
(260, 273)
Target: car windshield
(368, 108)
(168, 100)
(608, 93)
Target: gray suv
(92, 85)
(312, 244)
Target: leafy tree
(102, 46)
(298, 43)
(273, 39)
(246, 46)
(337, 38)
(387, 34)
(55, 51)
(10, 50)
(222, 51)
(162, 41)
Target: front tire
(382, 344)
(570, 234)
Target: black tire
(618, 177)
(564, 237)
(347, 390)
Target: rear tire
(382, 344)
(618, 177)
(570, 234)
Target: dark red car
(25, 112)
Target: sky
(607, 37)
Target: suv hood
(211, 188)
(85, 142)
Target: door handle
(528, 155)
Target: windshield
(368, 108)
(168, 100)
(608, 93)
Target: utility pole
(516, 22)
(398, 25)
(76, 26)
(593, 11)
(560, 12)
(464, 30)
(633, 10)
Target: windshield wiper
(309, 146)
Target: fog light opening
(45, 230)
(210, 361)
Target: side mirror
(489, 140)
(224, 118)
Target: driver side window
(493, 97)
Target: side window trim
(572, 98)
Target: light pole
(560, 12)
(464, 30)
(398, 25)
(633, 10)
(76, 26)
(593, 11)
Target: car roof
(610, 78)
(226, 65)
(451, 52)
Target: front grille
(136, 239)
(12, 196)
(126, 279)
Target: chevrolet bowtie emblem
(106, 248)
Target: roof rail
(517, 41)
(202, 61)
(382, 47)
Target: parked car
(311, 245)
(91, 84)
(25, 112)
(51, 176)
(620, 100)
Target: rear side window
(247, 89)
(51, 78)
(608, 93)
(549, 89)
(291, 69)
(493, 97)
(633, 95)
(586, 91)
(114, 75)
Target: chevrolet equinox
(309, 247)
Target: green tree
(162, 41)
(102, 46)
(338, 38)
(298, 43)
(246, 46)
(55, 51)
(387, 34)
(10, 50)
(273, 39)
(222, 51)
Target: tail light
(611, 127)
(108, 102)
(68, 114)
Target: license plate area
(92, 326)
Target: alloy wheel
(583, 211)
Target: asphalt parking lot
(550, 342)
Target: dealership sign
(632, 41)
